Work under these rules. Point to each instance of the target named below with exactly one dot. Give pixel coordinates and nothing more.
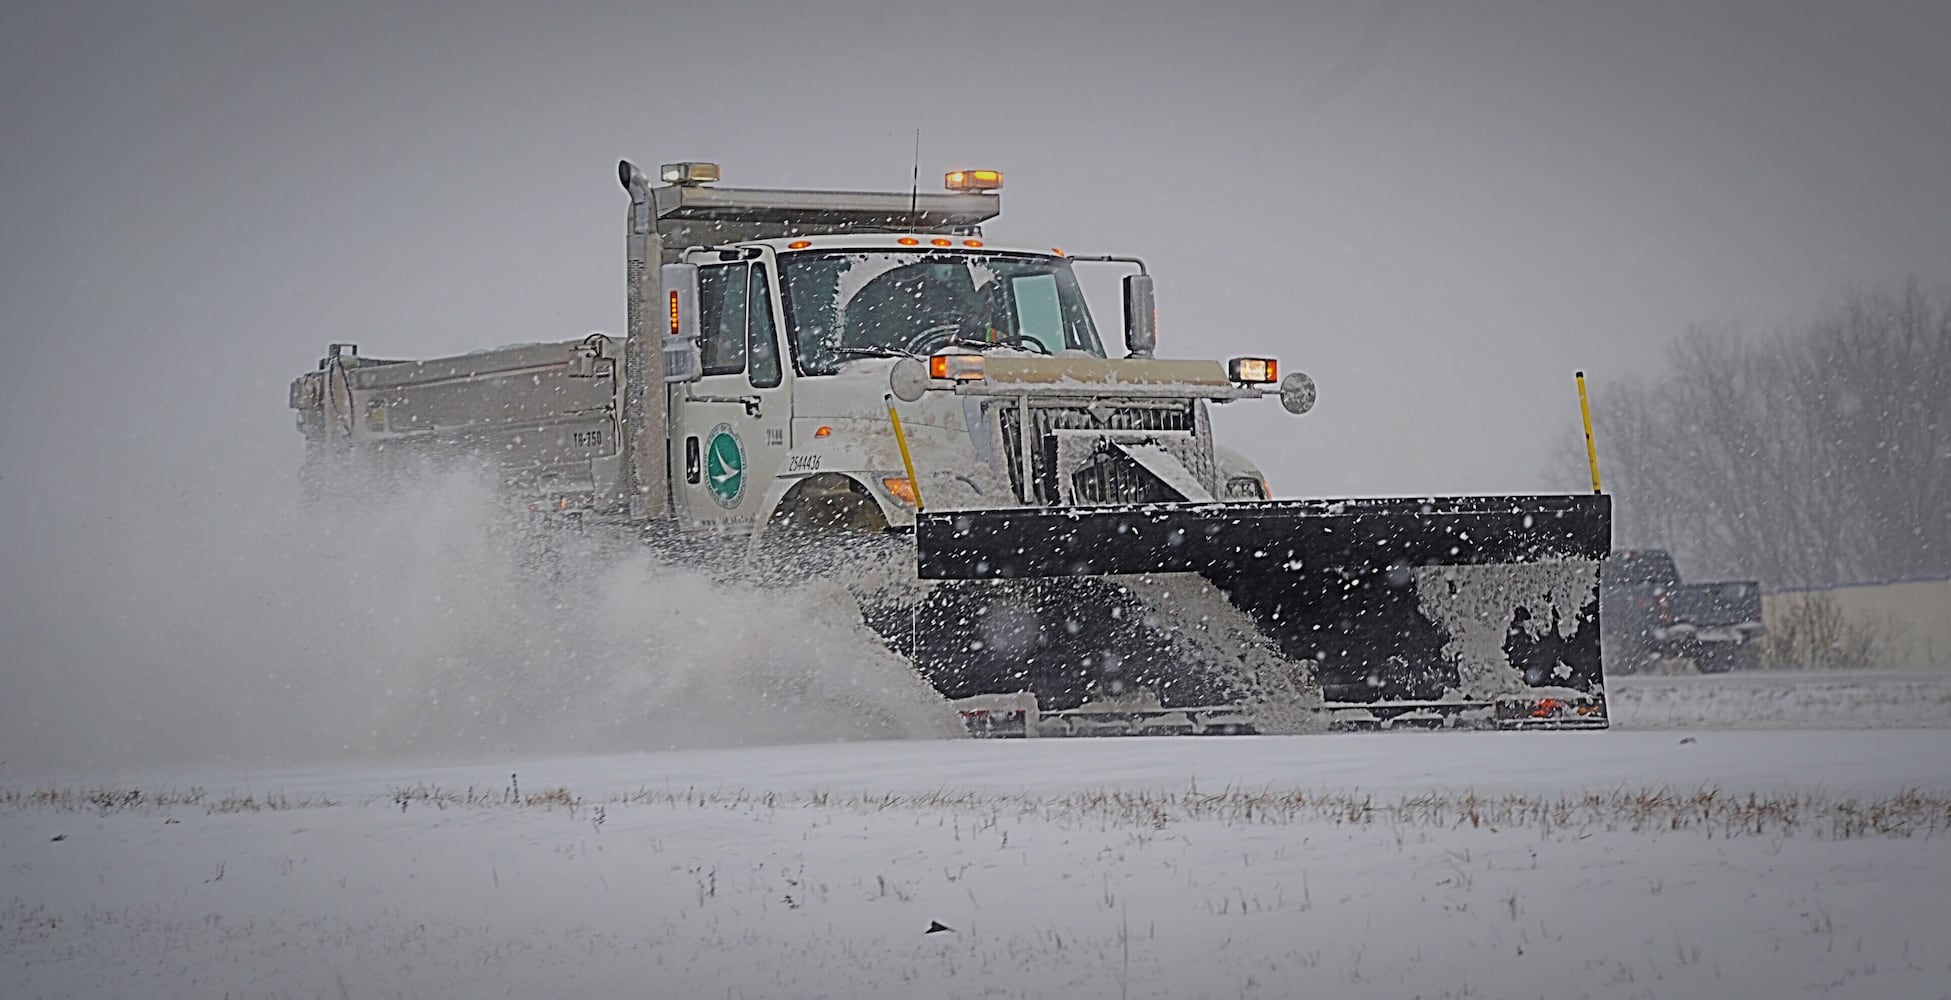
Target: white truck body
(774, 337)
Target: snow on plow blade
(1403, 607)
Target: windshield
(869, 303)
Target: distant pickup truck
(1647, 613)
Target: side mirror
(680, 309)
(1297, 393)
(1141, 316)
(909, 379)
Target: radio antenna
(914, 189)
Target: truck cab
(800, 339)
(797, 339)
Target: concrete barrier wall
(1912, 619)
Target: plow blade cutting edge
(1410, 608)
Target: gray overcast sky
(1439, 209)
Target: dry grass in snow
(1707, 810)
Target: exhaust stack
(645, 413)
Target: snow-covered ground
(1840, 700)
(1618, 864)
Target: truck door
(731, 425)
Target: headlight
(960, 367)
(1253, 370)
(1248, 488)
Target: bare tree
(1818, 455)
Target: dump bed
(543, 415)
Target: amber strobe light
(973, 180)
(1250, 370)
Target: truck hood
(859, 390)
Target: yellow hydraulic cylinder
(908, 462)
(1584, 409)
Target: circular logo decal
(725, 466)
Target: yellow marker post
(908, 462)
(1585, 410)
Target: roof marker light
(908, 241)
(799, 244)
(942, 243)
(972, 243)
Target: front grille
(1110, 477)
(1104, 475)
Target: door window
(721, 315)
(735, 317)
(761, 341)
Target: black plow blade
(1297, 534)
(1486, 601)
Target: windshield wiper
(875, 351)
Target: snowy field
(1853, 700)
(1675, 858)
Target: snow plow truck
(812, 374)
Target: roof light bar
(973, 180)
(688, 173)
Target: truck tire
(827, 522)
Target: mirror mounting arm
(1141, 312)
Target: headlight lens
(1256, 371)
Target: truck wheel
(829, 521)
